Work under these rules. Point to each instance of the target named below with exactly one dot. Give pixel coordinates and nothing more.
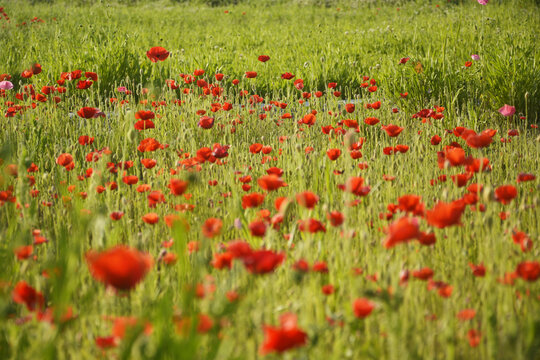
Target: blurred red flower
(120, 267)
(284, 337)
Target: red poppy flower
(84, 84)
(309, 119)
(280, 203)
(528, 270)
(404, 60)
(154, 198)
(362, 307)
(24, 252)
(270, 182)
(257, 228)
(223, 260)
(320, 267)
(116, 215)
(445, 214)
(287, 336)
(355, 154)
(411, 203)
(402, 230)
(245, 179)
(371, 120)
(151, 218)
(262, 261)
(478, 270)
(461, 179)
(27, 295)
(523, 240)
(349, 108)
(311, 226)
(301, 266)
(36, 69)
(144, 115)
(177, 186)
(287, 76)
(333, 154)
(120, 267)
(46, 90)
(27, 74)
(198, 72)
(423, 274)
(455, 155)
(474, 337)
(212, 227)
(130, 180)
(64, 159)
(252, 200)
(32, 168)
(149, 144)
(239, 248)
(356, 186)
(255, 148)
(525, 177)
(479, 140)
(107, 342)
(251, 74)
(392, 130)
(327, 289)
(91, 75)
(350, 123)
(205, 324)
(148, 163)
(401, 148)
(436, 140)
(88, 112)
(443, 289)
(466, 314)
(73, 75)
(206, 122)
(307, 199)
(264, 58)
(157, 53)
(86, 140)
(336, 218)
(505, 194)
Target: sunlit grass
(320, 46)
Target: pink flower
(475, 57)
(507, 110)
(6, 85)
(121, 89)
(483, 2)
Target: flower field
(277, 180)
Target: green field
(104, 147)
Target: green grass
(319, 45)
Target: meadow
(278, 180)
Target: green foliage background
(319, 44)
